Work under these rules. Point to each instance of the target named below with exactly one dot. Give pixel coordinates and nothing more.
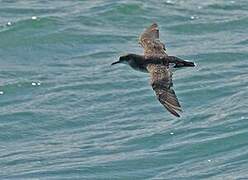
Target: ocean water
(65, 113)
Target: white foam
(169, 2)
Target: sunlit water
(66, 113)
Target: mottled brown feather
(149, 40)
(161, 82)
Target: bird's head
(124, 59)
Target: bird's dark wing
(161, 82)
(149, 40)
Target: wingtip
(175, 114)
(178, 116)
(172, 111)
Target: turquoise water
(65, 113)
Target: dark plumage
(156, 62)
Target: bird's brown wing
(149, 40)
(161, 82)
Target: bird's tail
(179, 62)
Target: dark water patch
(244, 42)
(119, 8)
(202, 28)
(230, 6)
(228, 57)
(27, 11)
(26, 31)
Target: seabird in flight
(157, 63)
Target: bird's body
(140, 63)
(156, 62)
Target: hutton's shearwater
(156, 62)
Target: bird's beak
(115, 62)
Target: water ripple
(89, 120)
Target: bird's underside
(161, 75)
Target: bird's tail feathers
(179, 62)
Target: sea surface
(65, 113)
